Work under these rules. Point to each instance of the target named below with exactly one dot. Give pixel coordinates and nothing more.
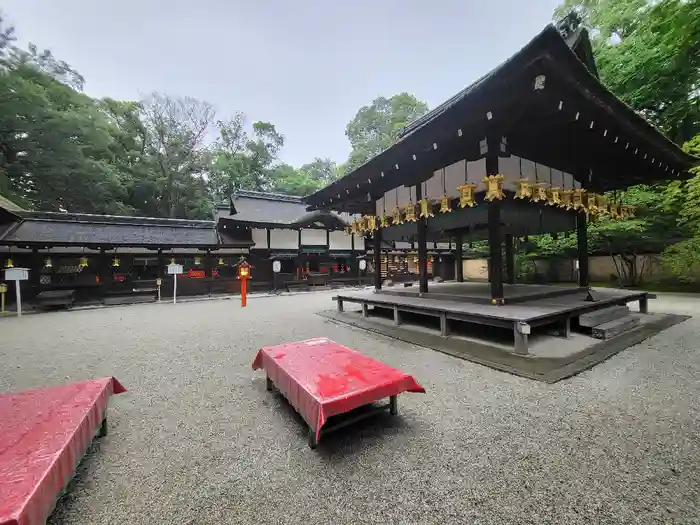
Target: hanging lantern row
(592, 204)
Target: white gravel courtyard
(198, 440)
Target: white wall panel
(284, 239)
(311, 237)
(259, 238)
(340, 241)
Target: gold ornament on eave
(445, 206)
(577, 199)
(592, 205)
(384, 221)
(539, 193)
(553, 197)
(410, 210)
(426, 209)
(494, 187)
(371, 223)
(466, 195)
(397, 216)
(565, 199)
(524, 190)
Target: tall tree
(242, 161)
(324, 171)
(648, 54)
(176, 131)
(377, 126)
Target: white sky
(306, 66)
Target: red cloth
(322, 378)
(43, 435)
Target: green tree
(377, 126)
(288, 180)
(175, 133)
(55, 145)
(648, 54)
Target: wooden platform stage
(526, 306)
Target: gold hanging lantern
(221, 261)
(524, 190)
(411, 212)
(172, 260)
(577, 199)
(631, 211)
(348, 229)
(384, 221)
(494, 187)
(9, 263)
(83, 262)
(48, 263)
(624, 212)
(539, 193)
(115, 262)
(565, 199)
(197, 261)
(426, 209)
(553, 197)
(371, 223)
(397, 216)
(591, 204)
(466, 195)
(445, 206)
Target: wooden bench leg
(268, 383)
(313, 442)
(364, 310)
(394, 405)
(340, 305)
(103, 428)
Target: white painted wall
(260, 238)
(310, 237)
(341, 241)
(284, 239)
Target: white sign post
(174, 270)
(17, 275)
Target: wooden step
(603, 315)
(616, 327)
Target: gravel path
(197, 439)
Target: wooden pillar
(459, 240)
(208, 268)
(510, 258)
(377, 247)
(582, 245)
(35, 272)
(422, 247)
(494, 228)
(103, 273)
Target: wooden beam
(422, 248)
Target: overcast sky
(307, 66)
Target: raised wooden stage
(526, 306)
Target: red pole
(243, 292)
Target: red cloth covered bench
(44, 434)
(322, 378)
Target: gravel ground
(197, 439)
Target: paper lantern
(83, 262)
(410, 211)
(397, 217)
(539, 193)
(9, 263)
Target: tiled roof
(85, 229)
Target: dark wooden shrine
(535, 146)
